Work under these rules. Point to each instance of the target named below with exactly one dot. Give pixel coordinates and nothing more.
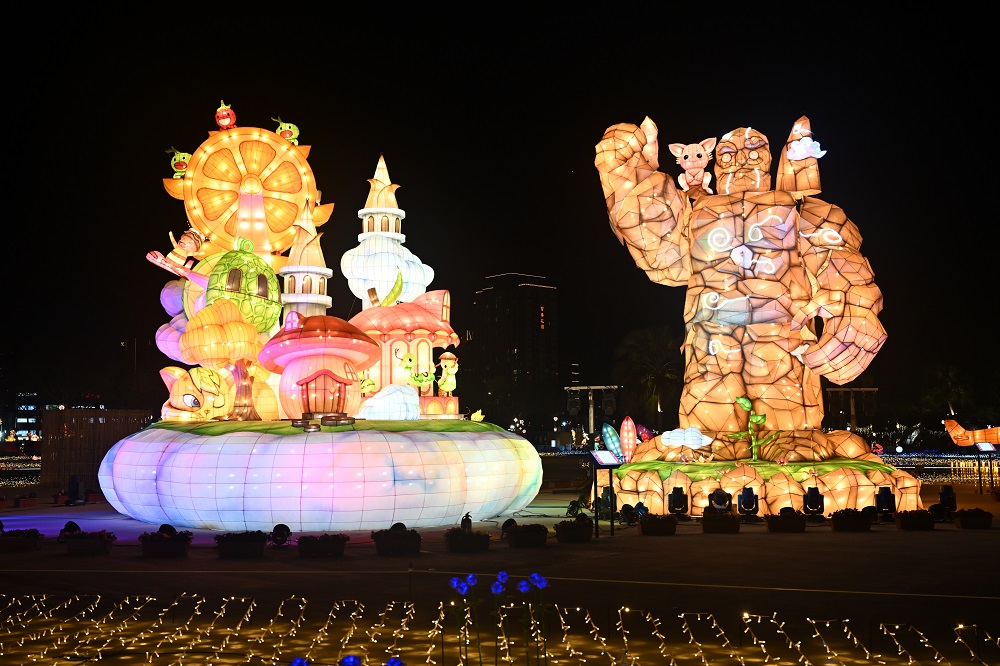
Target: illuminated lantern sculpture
(759, 265)
(250, 197)
(380, 257)
(252, 183)
(449, 368)
(628, 439)
(225, 117)
(287, 131)
(414, 330)
(644, 434)
(245, 279)
(179, 162)
(319, 358)
(305, 273)
(611, 440)
(218, 338)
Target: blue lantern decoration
(611, 440)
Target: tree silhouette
(646, 364)
(946, 390)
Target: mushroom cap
(320, 334)
(422, 317)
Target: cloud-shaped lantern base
(242, 476)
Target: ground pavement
(822, 597)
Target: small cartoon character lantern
(287, 131)
(179, 162)
(225, 117)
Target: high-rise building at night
(512, 351)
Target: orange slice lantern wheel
(248, 182)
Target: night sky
(489, 129)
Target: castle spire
(382, 193)
(380, 257)
(306, 273)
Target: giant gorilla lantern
(778, 292)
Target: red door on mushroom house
(323, 393)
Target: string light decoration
(779, 627)
(189, 627)
(662, 647)
(624, 634)
(436, 632)
(595, 633)
(725, 646)
(760, 267)
(323, 632)
(959, 638)
(564, 626)
(855, 642)
(406, 614)
(892, 631)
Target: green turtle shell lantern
(246, 280)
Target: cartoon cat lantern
(693, 158)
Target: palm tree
(646, 364)
(946, 390)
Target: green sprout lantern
(751, 432)
(287, 131)
(179, 162)
(246, 280)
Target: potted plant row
(973, 519)
(529, 535)
(658, 524)
(25, 500)
(89, 543)
(786, 520)
(166, 542)
(850, 520)
(578, 530)
(13, 541)
(246, 545)
(464, 539)
(322, 545)
(916, 519)
(397, 540)
(719, 522)
(458, 540)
